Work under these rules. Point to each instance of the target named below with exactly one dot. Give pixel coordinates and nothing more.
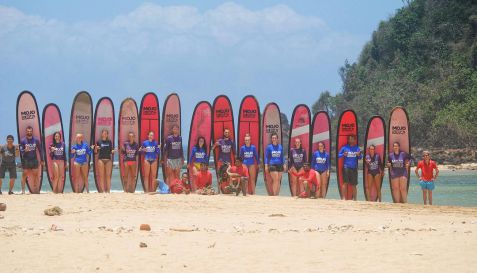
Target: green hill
(425, 59)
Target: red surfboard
(249, 123)
(52, 123)
(223, 118)
(347, 126)
(81, 122)
(321, 132)
(271, 123)
(300, 129)
(398, 131)
(149, 121)
(27, 115)
(171, 116)
(200, 126)
(103, 120)
(128, 122)
(375, 135)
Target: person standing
(251, 159)
(375, 172)
(29, 147)
(321, 163)
(173, 155)
(398, 164)
(351, 153)
(58, 157)
(274, 164)
(427, 177)
(296, 158)
(8, 153)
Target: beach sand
(100, 233)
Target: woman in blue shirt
(274, 164)
(322, 164)
(151, 149)
(250, 158)
(197, 156)
(296, 158)
(81, 153)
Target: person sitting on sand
(238, 178)
(203, 181)
(427, 177)
(179, 186)
(310, 179)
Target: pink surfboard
(300, 129)
(321, 132)
(271, 123)
(103, 120)
(200, 126)
(375, 135)
(347, 126)
(52, 123)
(128, 122)
(249, 123)
(81, 122)
(171, 116)
(398, 131)
(28, 115)
(149, 118)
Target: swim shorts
(427, 185)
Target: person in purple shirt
(351, 153)
(321, 163)
(375, 172)
(398, 164)
(30, 147)
(296, 158)
(58, 157)
(129, 152)
(226, 149)
(173, 155)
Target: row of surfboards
(208, 121)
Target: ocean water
(454, 188)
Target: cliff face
(425, 59)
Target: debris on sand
(3, 207)
(277, 215)
(142, 245)
(53, 211)
(145, 227)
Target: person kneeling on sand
(310, 180)
(179, 186)
(427, 177)
(238, 178)
(203, 181)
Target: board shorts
(275, 168)
(130, 163)
(30, 164)
(197, 166)
(427, 185)
(11, 168)
(350, 176)
(174, 163)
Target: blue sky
(282, 51)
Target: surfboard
(171, 116)
(149, 117)
(128, 122)
(375, 135)
(223, 118)
(398, 131)
(271, 123)
(249, 123)
(321, 128)
(103, 120)
(299, 129)
(200, 126)
(347, 126)
(81, 122)
(52, 123)
(28, 115)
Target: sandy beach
(100, 233)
